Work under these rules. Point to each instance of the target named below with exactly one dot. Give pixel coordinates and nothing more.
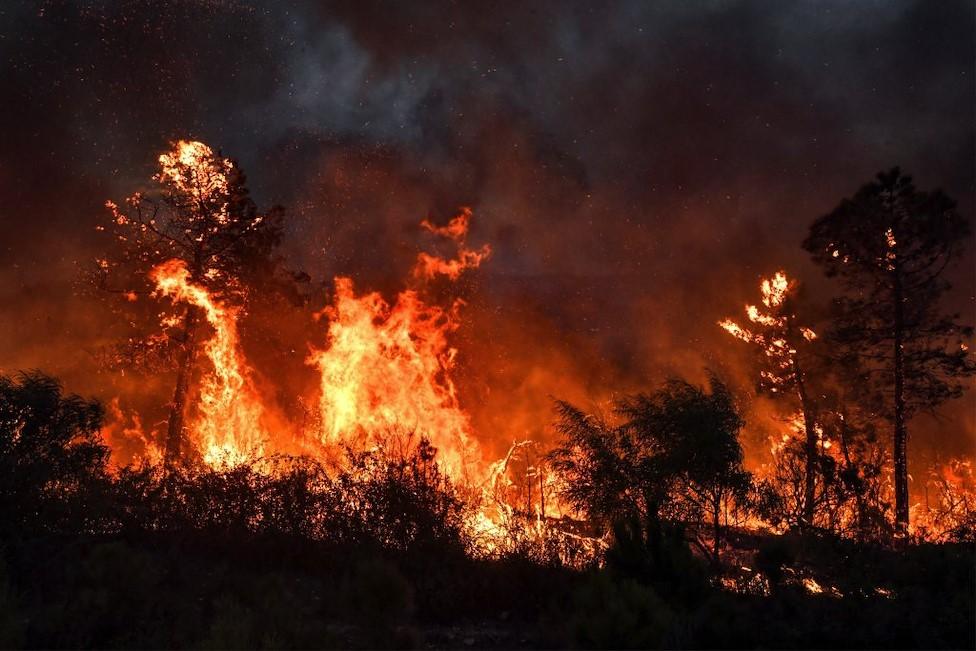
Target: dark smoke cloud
(635, 165)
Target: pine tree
(199, 212)
(889, 245)
(786, 346)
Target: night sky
(636, 166)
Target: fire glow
(386, 368)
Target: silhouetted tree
(859, 462)
(697, 435)
(889, 245)
(606, 471)
(786, 359)
(51, 455)
(677, 446)
(202, 214)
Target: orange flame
(228, 425)
(389, 367)
(128, 442)
(194, 170)
(774, 324)
(429, 266)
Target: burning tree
(775, 329)
(229, 426)
(201, 215)
(861, 494)
(889, 245)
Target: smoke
(635, 166)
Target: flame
(429, 266)
(891, 254)
(388, 368)
(950, 501)
(774, 327)
(812, 586)
(194, 170)
(127, 440)
(228, 426)
(775, 289)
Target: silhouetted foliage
(51, 456)
(675, 453)
(697, 433)
(288, 553)
(606, 472)
(392, 502)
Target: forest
(380, 520)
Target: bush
(616, 613)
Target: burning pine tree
(199, 214)
(785, 343)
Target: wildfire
(385, 378)
(950, 501)
(388, 368)
(228, 426)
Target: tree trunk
(858, 486)
(174, 430)
(901, 426)
(810, 429)
(542, 494)
(716, 527)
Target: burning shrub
(387, 500)
(949, 511)
(849, 497)
(398, 500)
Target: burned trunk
(174, 429)
(716, 526)
(901, 426)
(810, 446)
